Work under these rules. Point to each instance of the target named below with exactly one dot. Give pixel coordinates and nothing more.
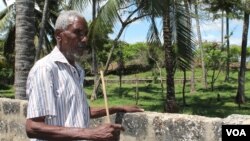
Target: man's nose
(84, 39)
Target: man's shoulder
(45, 62)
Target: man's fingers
(118, 127)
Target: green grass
(6, 91)
(203, 102)
(150, 97)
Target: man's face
(74, 38)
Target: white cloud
(9, 2)
(211, 30)
(235, 40)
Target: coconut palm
(240, 97)
(204, 74)
(42, 29)
(24, 44)
(7, 29)
(176, 30)
(8, 23)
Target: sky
(210, 30)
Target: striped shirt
(55, 90)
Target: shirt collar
(57, 56)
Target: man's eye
(80, 33)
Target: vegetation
(218, 102)
(177, 88)
(205, 102)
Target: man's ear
(58, 35)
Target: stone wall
(146, 126)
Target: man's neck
(70, 58)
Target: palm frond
(7, 19)
(155, 7)
(183, 37)
(78, 4)
(153, 36)
(107, 16)
(3, 12)
(5, 2)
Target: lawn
(205, 102)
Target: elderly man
(57, 107)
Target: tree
(215, 60)
(8, 24)
(107, 16)
(203, 65)
(240, 97)
(42, 29)
(24, 45)
(175, 30)
(7, 28)
(231, 9)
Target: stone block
(25, 105)
(3, 127)
(136, 126)
(17, 128)
(11, 107)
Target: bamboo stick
(105, 97)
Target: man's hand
(106, 132)
(131, 109)
(100, 112)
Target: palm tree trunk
(170, 105)
(240, 97)
(228, 51)
(192, 81)
(222, 30)
(203, 65)
(94, 59)
(42, 29)
(24, 45)
(184, 87)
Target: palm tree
(7, 24)
(203, 65)
(7, 28)
(240, 97)
(24, 44)
(24, 39)
(176, 29)
(42, 29)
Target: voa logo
(236, 132)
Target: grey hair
(63, 20)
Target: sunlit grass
(205, 102)
(6, 91)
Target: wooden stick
(105, 97)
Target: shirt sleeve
(40, 91)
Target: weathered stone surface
(136, 126)
(11, 107)
(17, 128)
(25, 109)
(237, 119)
(146, 126)
(0, 107)
(3, 126)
